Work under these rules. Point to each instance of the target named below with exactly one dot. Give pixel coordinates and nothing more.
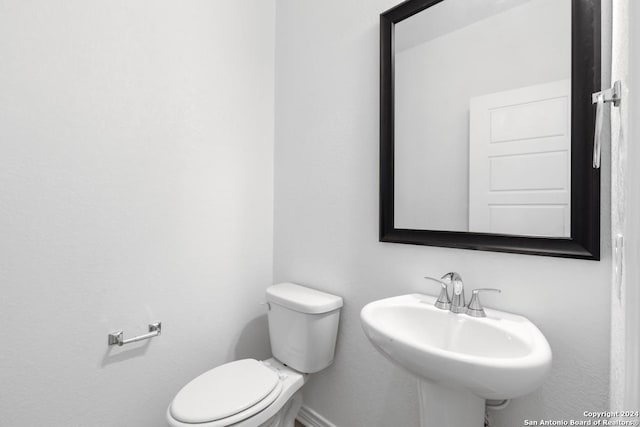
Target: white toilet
(303, 325)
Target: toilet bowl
(303, 326)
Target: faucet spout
(458, 302)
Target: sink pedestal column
(444, 407)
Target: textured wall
(622, 340)
(326, 228)
(136, 141)
(625, 386)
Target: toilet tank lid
(302, 299)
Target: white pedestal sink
(459, 360)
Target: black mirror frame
(584, 242)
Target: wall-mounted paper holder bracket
(117, 338)
(613, 96)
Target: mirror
(487, 127)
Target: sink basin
(501, 356)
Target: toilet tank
(303, 326)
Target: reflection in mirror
(482, 129)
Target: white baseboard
(310, 418)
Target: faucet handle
(443, 302)
(475, 309)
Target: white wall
(136, 145)
(326, 234)
(435, 82)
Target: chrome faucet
(457, 303)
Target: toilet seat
(227, 394)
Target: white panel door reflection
(520, 161)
